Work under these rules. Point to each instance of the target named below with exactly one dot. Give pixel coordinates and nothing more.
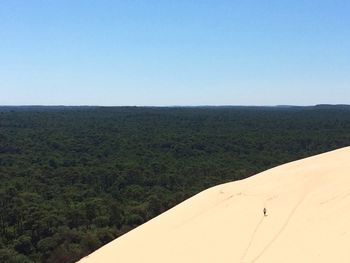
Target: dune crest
(307, 220)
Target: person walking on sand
(264, 211)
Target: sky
(174, 52)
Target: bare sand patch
(307, 220)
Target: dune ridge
(308, 220)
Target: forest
(74, 178)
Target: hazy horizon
(172, 106)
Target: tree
(24, 245)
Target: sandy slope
(308, 206)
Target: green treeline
(73, 179)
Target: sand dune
(308, 220)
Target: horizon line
(172, 106)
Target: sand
(308, 220)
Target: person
(264, 211)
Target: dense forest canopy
(74, 178)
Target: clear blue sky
(174, 52)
